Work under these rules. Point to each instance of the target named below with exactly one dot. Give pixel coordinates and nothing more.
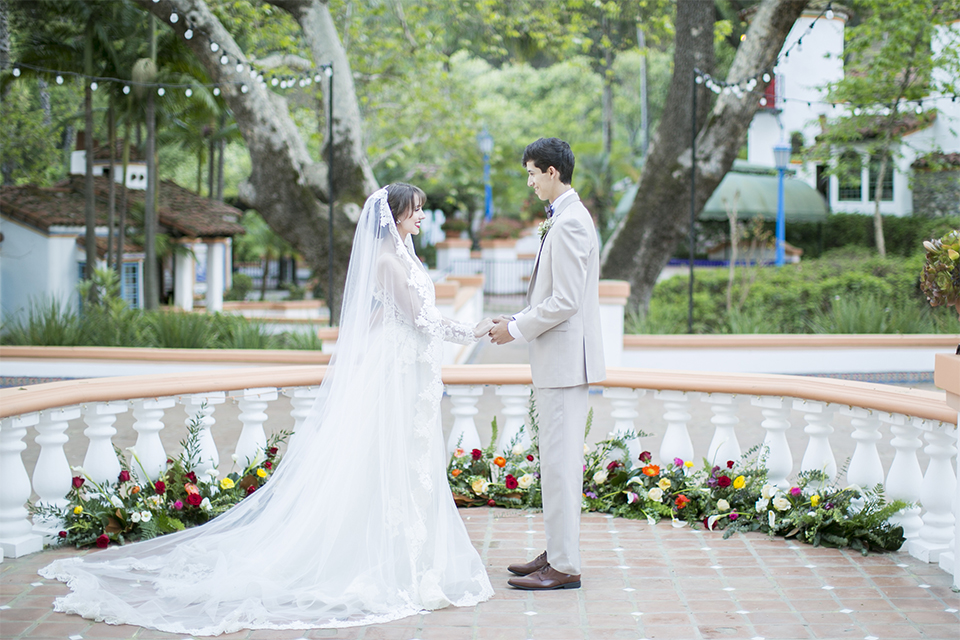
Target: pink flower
(734, 515)
(678, 462)
(178, 505)
(796, 491)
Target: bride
(358, 525)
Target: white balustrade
(724, 446)
(200, 406)
(819, 454)
(464, 399)
(101, 463)
(865, 468)
(252, 441)
(149, 457)
(676, 440)
(16, 531)
(624, 402)
(302, 399)
(905, 477)
(52, 476)
(936, 493)
(515, 398)
(776, 453)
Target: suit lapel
(543, 241)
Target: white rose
(600, 476)
(145, 516)
(655, 494)
(762, 504)
(135, 516)
(115, 501)
(781, 503)
(525, 481)
(518, 450)
(205, 505)
(767, 491)
(723, 505)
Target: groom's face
(543, 183)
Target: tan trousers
(562, 421)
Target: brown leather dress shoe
(545, 579)
(526, 569)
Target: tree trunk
(89, 204)
(220, 148)
(877, 197)
(659, 217)
(211, 158)
(122, 215)
(286, 186)
(112, 182)
(200, 170)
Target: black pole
(693, 198)
(330, 279)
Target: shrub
(501, 229)
(242, 285)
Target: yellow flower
(688, 464)
(814, 500)
(739, 482)
(479, 486)
(262, 473)
(226, 483)
(77, 510)
(664, 483)
(953, 254)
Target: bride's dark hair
(403, 197)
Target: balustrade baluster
(464, 431)
(724, 446)
(865, 468)
(776, 455)
(937, 492)
(253, 404)
(100, 462)
(676, 440)
(302, 400)
(151, 459)
(52, 475)
(819, 454)
(515, 401)
(201, 406)
(624, 402)
(16, 531)
(905, 477)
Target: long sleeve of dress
(414, 298)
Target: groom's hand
(500, 334)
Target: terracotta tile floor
(639, 581)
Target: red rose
(723, 481)
(268, 465)
(273, 451)
(646, 456)
(730, 464)
(476, 454)
(160, 487)
(510, 482)
(77, 482)
(124, 476)
(103, 541)
(706, 524)
(613, 465)
(62, 534)
(251, 489)
(529, 457)
(194, 499)
(491, 502)
(192, 477)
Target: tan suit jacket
(562, 318)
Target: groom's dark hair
(551, 152)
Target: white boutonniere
(544, 227)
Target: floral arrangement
(544, 226)
(732, 497)
(135, 508)
(940, 280)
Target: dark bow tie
(549, 210)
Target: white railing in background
(890, 417)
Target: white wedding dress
(358, 525)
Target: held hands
(483, 328)
(499, 334)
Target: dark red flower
(272, 452)
(491, 502)
(251, 489)
(730, 464)
(723, 481)
(646, 456)
(160, 487)
(194, 499)
(192, 477)
(530, 457)
(510, 482)
(62, 534)
(613, 465)
(169, 460)
(124, 476)
(268, 465)
(476, 454)
(77, 482)
(103, 541)
(706, 524)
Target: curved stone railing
(901, 421)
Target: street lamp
(781, 158)
(485, 142)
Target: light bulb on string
(274, 82)
(699, 80)
(59, 79)
(829, 14)
(260, 79)
(763, 102)
(283, 84)
(224, 59)
(174, 18)
(239, 67)
(126, 89)
(16, 72)
(188, 34)
(161, 91)
(919, 108)
(243, 88)
(766, 77)
(93, 86)
(188, 92)
(214, 47)
(216, 91)
(857, 111)
(328, 70)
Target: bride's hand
(483, 328)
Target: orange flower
(134, 490)
(500, 461)
(191, 488)
(681, 501)
(455, 472)
(651, 470)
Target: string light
(173, 18)
(188, 34)
(16, 72)
(93, 86)
(188, 92)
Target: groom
(562, 324)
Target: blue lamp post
(781, 157)
(485, 141)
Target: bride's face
(409, 222)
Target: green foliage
(903, 236)
(941, 270)
(242, 285)
(501, 228)
(30, 130)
